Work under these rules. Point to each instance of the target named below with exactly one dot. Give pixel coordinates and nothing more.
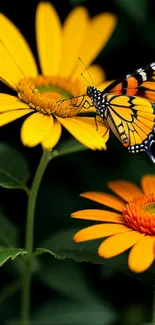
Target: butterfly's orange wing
(140, 83)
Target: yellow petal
(104, 84)
(35, 128)
(99, 231)
(98, 215)
(126, 190)
(16, 47)
(74, 32)
(84, 132)
(52, 137)
(142, 254)
(117, 244)
(49, 38)
(99, 32)
(94, 75)
(9, 103)
(108, 200)
(148, 184)
(10, 74)
(11, 116)
(98, 126)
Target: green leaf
(136, 9)
(67, 312)
(12, 253)
(8, 231)
(66, 277)
(69, 146)
(115, 265)
(61, 246)
(14, 171)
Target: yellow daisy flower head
(39, 95)
(130, 223)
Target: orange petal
(35, 128)
(148, 184)
(74, 32)
(11, 116)
(99, 231)
(106, 199)
(126, 190)
(117, 244)
(142, 254)
(49, 38)
(53, 136)
(99, 215)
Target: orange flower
(132, 224)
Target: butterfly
(127, 107)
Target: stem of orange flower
(26, 281)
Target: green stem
(32, 200)
(26, 283)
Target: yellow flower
(38, 95)
(131, 223)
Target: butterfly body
(127, 107)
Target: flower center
(140, 214)
(45, 94)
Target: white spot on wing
(153, 65)
(139, 70)
(128, 75)
(144, 75)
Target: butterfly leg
(96, 123)
(105, 132)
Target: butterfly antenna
(84, 78)
(87, 72)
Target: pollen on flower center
(140, 214)
(45, 94)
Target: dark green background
(63, 291)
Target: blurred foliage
(14, 171)
(77, 2)
(104, 292)
(136, 9)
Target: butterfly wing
(132, 119)
(140, 83)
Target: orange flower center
(45, 94)
(140, 214)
